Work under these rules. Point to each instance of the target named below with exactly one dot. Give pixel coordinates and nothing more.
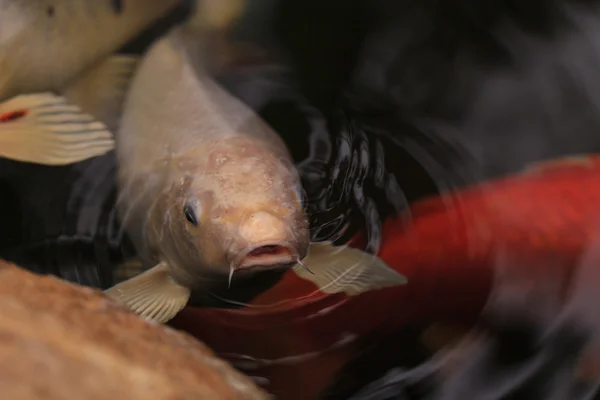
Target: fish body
(208, 189)
(202, 152)
(510, 244)
(61, 88)
(45, 45)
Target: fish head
(241, 209)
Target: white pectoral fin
(102, 90)
(343, 269)
(44, 128)
(153, 295)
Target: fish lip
(237, 262)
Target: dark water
(381, 103)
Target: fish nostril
(262, 227)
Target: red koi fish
(474, 249)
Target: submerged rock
(63, 341)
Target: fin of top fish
(153, 294)
(101, 91)
(343, 269)
(45, 128)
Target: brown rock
(63, 341)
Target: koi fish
(208, 190)
(466, 253)
(60, 90)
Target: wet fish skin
(208, 189)
(185, 142)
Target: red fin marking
(12, 116)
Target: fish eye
(190, 215)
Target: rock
(63, 341)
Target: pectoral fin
(153, 295)
(44, 128)
(342, 269)
(101, 91)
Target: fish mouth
(268, 255)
